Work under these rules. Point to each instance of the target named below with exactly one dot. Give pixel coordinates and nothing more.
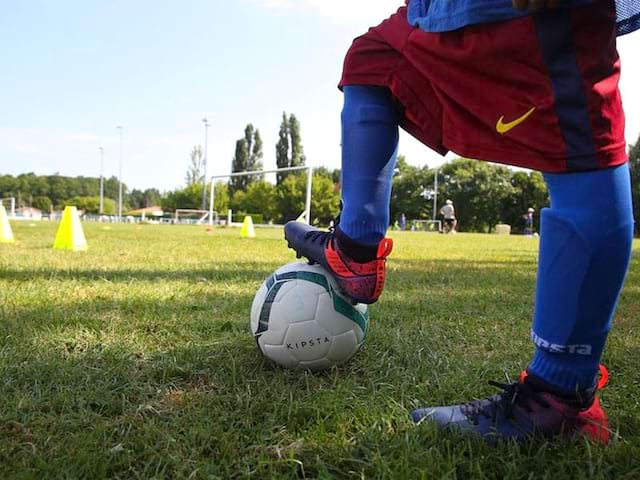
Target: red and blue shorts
(539, 91)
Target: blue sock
(585, 248)
(369, 149)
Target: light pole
(101, 181)
(120, 128)
(204, 178)
(435, 194)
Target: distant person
(530, 83)
(403, 222)
(528, 222)
(449, 214)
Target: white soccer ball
(299, 319)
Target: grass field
(134, 360)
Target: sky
(73, 70)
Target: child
(533, 85)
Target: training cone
(6, 235)
(70, 235)
(247, 230)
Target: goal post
(307, 208)
(201, 215)
(434, 226)
(10, 205)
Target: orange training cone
(6, 235)
(70, 235)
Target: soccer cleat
(526, 408)
(361, 281)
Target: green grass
(134, 360)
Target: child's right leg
(355, 252)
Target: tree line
(52, 192)
(484, 194)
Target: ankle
(356, 251)
(581, 399)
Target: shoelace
(521, 393)
(317, 235)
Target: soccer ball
(299, 319)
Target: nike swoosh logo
(503, 128)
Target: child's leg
(355, 253)
(585, 248)
(369, 149)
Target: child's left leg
(585, 248)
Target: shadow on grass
(449, 287)
(233, 270)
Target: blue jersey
(446, 15)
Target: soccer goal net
(305, 215)
(433, 226)
(193, 216)
(9, 204)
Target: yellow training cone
(70, 235)
(247, 230)
(6, 235)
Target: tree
(143, 199)
(110, 207)
(42, 203)
(529, 190)
(248, 157)
(408, 196)
(59, 189)
(291, 196)
(478, 190)
(9, 186)
(27, 187)
(259, 197)
(254, 151)
(289, 150)
(195, 172)
(282, 147)
(151, 197)
(290, 200)
(239, 164)
(111, 187)
(220, 198)
(325, 200)
(135, 199)
(91, 205)
(297, 152)
(634, 163)
(187, 197)
(333, 175)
